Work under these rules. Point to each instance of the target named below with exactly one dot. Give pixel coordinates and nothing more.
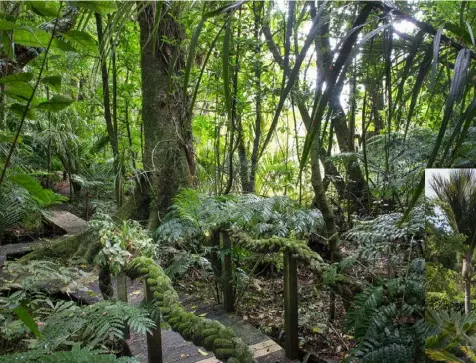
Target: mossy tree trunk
(168, 153)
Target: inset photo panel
(449, 253)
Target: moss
(83, 247)
(221, 340)
(299, 249)
(224, 353)
(208, 341)
(222, 343)
(207, 332)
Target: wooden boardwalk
(174, 348)
(177, 350)
(66, 221)
(63, 220)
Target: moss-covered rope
(298, 249)
(207, 333)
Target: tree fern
(194, 215)
(387, 319)
(106, 321)
(451, 337)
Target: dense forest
(178, 178)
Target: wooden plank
(264, 348)
(258, 350)
(227, 274)
(121, 288)
(68, 222)
(154, 339)
(290, 307)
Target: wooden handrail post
(121, 286)
(227, 273)
(291, 307)
(154, 339)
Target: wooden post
(215, 262)
(154, 339)
(290, 307)
(227, 273)
(121, 286)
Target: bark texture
(168, 152)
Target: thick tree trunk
(168, 152)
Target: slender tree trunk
(111, 123)
(258, 7)
(467, 269)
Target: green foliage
(62, 323)
(298, 249)
(44, 197)
(387, 319)
(194, 215)
(440, 279)
(97, 325)
(386, 235)
(407, 157)
(451, 336)
(75, 355)
(22, 199)
(121, 242)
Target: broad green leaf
(458, 83)
(7, 44)
(436, 53)
(44, 197)
(422, 72)
(470, 31)
(82, 39)
(31, 37)
(19, 110)
(202, 352)
(441, 355)
(17, 77)
(27, 319)
(7, 25)
(459, 31)
(53, 81)
(55, 104)
(20, 91)
(45, 8)
(225, 9)
(4, 137)
(101, 7)
(191, 54)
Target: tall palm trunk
(466, 271)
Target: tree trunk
(467, 296)
(168, 152)
(466, 272)
(111, 121)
